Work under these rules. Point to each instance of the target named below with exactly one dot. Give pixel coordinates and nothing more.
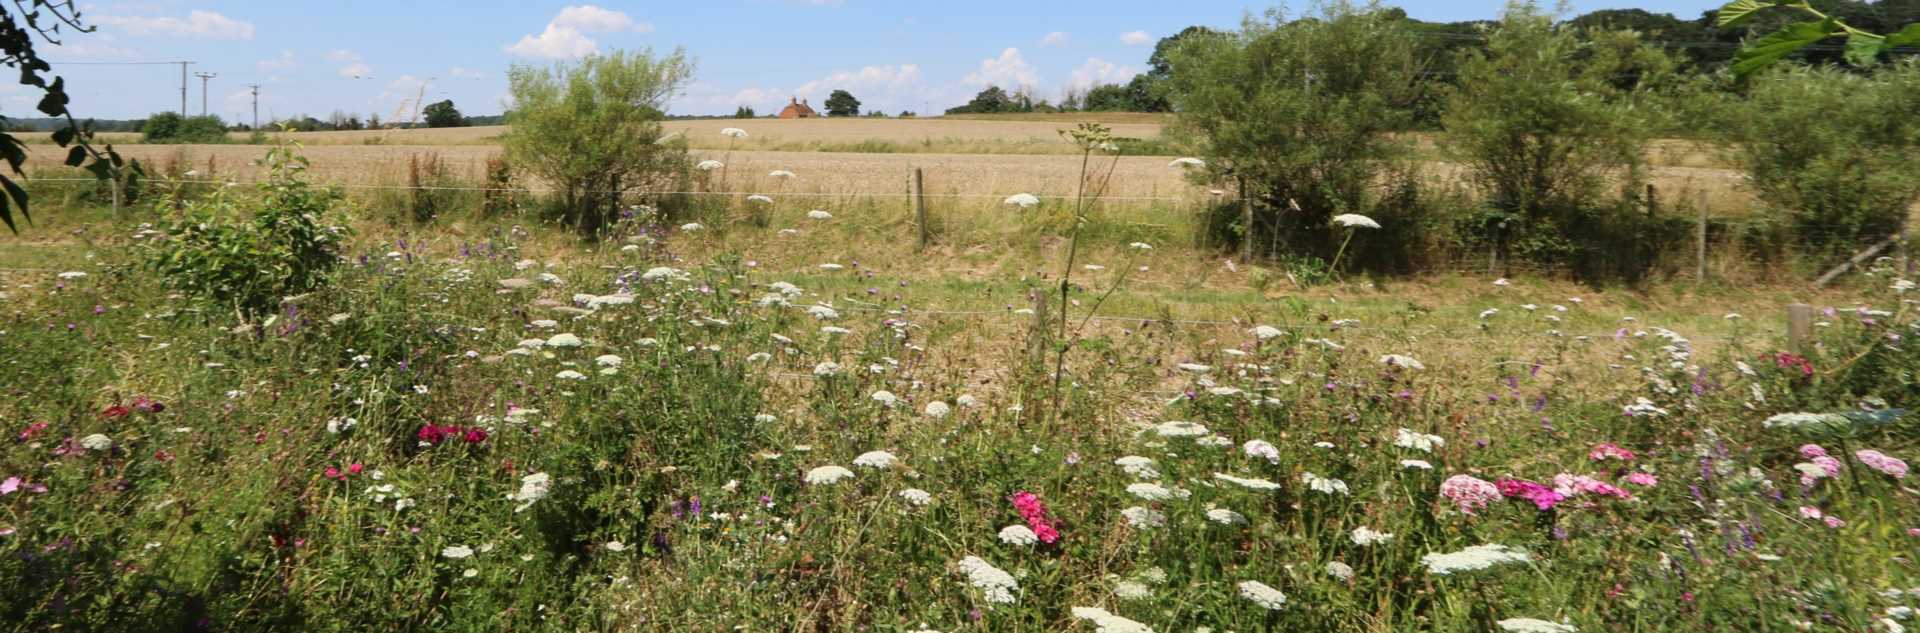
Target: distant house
(798, 109)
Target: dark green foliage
(842, 103)
(170, 127)
(743, 112)
(443, 114)
(45, 19)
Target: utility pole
(256, 104)
(183, 87)
(204, 77)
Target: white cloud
(1100, 71)
(591, 19)
(1056, 38)
(557, 42)
(285, 61)
(198, 24)
(565, 35)
(1009, 71)
(869, 78)
(352, 65)
(464, 73)
(1135, 38)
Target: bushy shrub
(170, 127)
(1831, 152)
(1302, 112)
(214, 250)
(1546, 124)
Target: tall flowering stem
(1091, 137)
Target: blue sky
(365, 57)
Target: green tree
(45, 19)
(1301, 113)
(991, 100)
(591, 129)
(170, 127)
(1544, 121)
(1831, 152)
(1108, 98)
(443, 114)
(743, 112)
(842, 103)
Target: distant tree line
(1702, 46)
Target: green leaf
(76, 156)
(1864, 49)
(19, 197)
(63, 136)
(1736, 12)
(1906, 37)
(1759, 55)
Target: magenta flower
(1609, 450)
(1468, 492)
(1810, 451)
(1542, 497)
(1035, 513)
(1642, 479)
(1888, 464)
(1576, 485)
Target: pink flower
(1888, 464)
(1834, 522)
(1913, 531)
(1035, 513)
(1811, 512)
(1468, 492)
(354, 468)
(1642, 479)
(1576, 485)
(1810, 451)
(332, 473)
(32, 429)
(10, 486)
(1609, 450)
(1542, 497)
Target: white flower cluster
(997, 585)
(1471, 559)
(1106, 622)
(1263, 595)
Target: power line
(204, 78)
(114, 63)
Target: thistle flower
(998, 586)
(1023, 200)
(1472, 559)
(1259, 593)
(827, 475)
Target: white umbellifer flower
(96, 442)
(1901, 285)
(1187, 161)
(568, 374)
(1140, 246)
(549, 278)
(1143, 518)
(1224, 516)
(1018, 535)
(1138, 466)
(1023, 200)
(1401, 360)
(1263, 595)
(662, 272)
(1502, 282)
(885, 398)
(608, 360)
(916, 496)
(1646, 408)
(1266, 332)
(1253, 484)
(831, 266)
(456, 551)
(826, 368)
(733, 132)
(1352, 220)
(1149, 491)
(73, 274)
(875, 459)
(709, 165)
(692, 226)
(1340, 571)
(827, 475)
(1195, 368)
(1806, 421)
(1106, 622)
(533, 488)
(780, 173)
(1415, 464)
(1473, 558)
(1365, 536)
(1179, 429)
(1530, 625)
(1261, 449)
(998, 586)
(563, 339)
(760, 199)
(823, 312)
(616, 546)
(1132, 590)
(818, 214)
(1323, 484)
(1406, 438)
(938, 409)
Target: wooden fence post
(1246, 220)
(918, 186)
(1799, 327)
(1037, 336)
(1700, 240)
